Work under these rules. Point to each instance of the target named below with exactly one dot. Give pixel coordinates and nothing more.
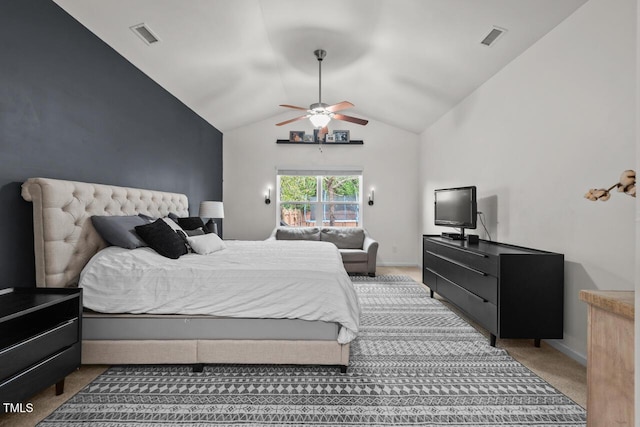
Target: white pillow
(206, 244)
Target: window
(319, 198)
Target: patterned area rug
(415, 363)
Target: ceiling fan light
(319, 120)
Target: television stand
(511, 291)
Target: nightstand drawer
(33, 349)
(48, 371)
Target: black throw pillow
(161, 238)
(190, 223)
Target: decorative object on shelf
(627, 185)
(211, 210)
(319, 135)
(296, 136)
(308, 138)
(330, 138)
(341, 135)
(267, 197)
(371, 196)
(320, 114)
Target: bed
(65, 242)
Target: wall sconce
(371, 196)
(627, 185)
(267, 197)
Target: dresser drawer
(482, 262)
(474, 281)
(428, 245)
(48, 371)
(31, 350)
(430, 279)
(484, 312)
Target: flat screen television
(456, 207)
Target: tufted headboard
(64, 239)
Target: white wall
(555, 122)
(389, 159)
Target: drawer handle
(461, 287)
(431, 271)
(459, 264)
(463, 250)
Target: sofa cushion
(343, 238)
(354, 255)
(298, 233)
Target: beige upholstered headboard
(64, 240)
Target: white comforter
(251, 279)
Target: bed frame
(65, 240)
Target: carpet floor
(414, 363)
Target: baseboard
(564, 349)
(398, 264)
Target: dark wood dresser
(40, 340)
(511, 291)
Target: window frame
(318, 204)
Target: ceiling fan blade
(350, 119)
(339, 106)
(290, 121)
(294, 107)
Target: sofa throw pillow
(206, 244)
(343, 238)
(119, 230)
(162, 239)
(298, 233)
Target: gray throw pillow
(343, 238)
(196, 232)
(119, 230)
(298, 233)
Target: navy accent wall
(73, 108)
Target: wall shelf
(352, 142)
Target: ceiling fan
(320, 114)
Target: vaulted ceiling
(402, 62)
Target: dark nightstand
(40, 340)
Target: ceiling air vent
(494, 34)
(145, 33)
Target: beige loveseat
(357, 248)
